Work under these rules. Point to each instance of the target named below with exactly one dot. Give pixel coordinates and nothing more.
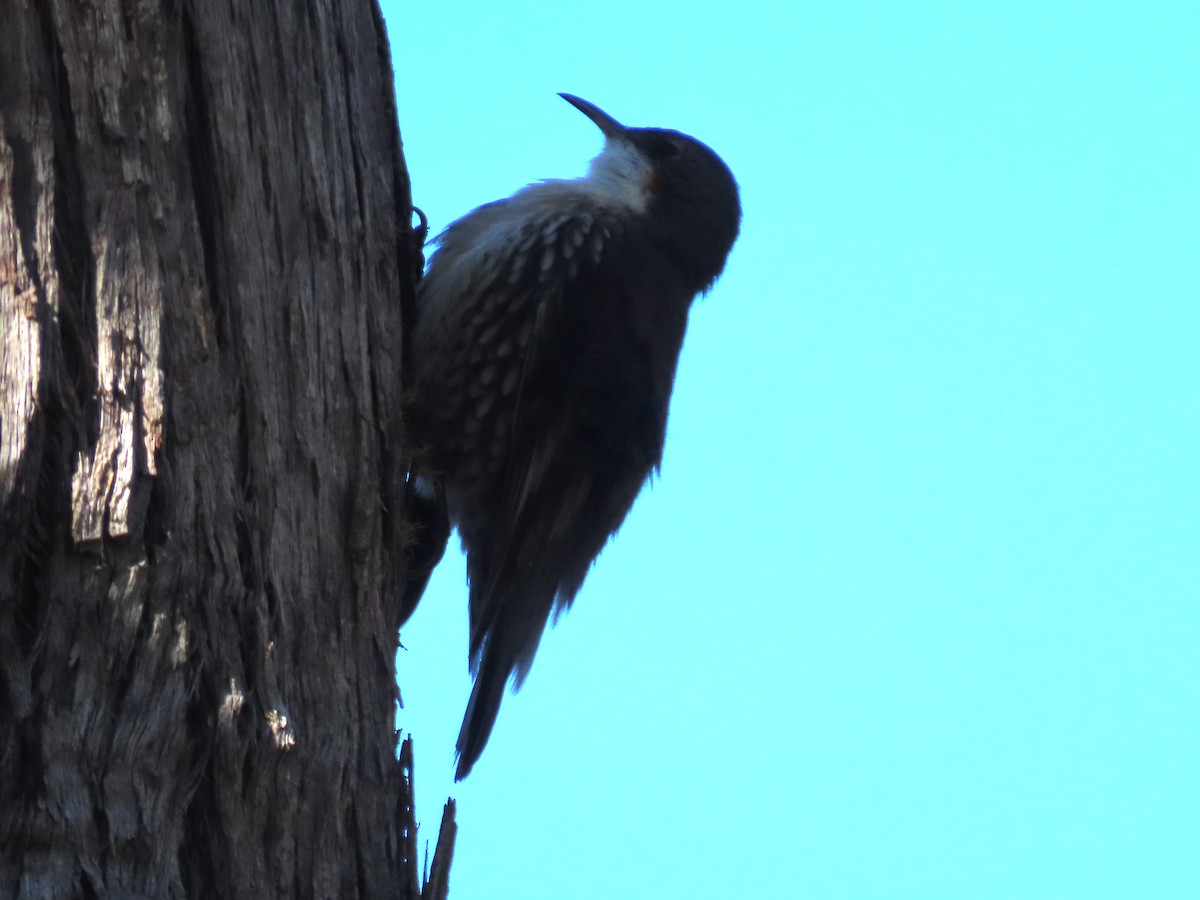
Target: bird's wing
(533, 311)
(585, 428)
(548, 477)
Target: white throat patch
(621, 176)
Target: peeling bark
(205, 256)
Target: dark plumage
(548, 330)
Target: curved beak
(606, 123)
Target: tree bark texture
(205, 254)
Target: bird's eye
(665, 148)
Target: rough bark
(205, 254)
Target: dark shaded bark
(205, 255)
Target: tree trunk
(205, 256)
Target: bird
(548, 328)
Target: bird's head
(685, 192)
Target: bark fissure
(24, 206)
(198, 126)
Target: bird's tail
(490, 681)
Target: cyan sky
(914, 609)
